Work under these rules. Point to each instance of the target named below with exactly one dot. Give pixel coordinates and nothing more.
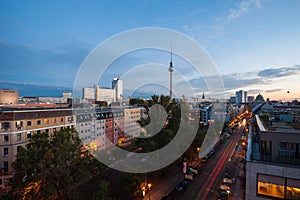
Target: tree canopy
(52, 167)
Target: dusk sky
(255, 44)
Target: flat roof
(259, 123)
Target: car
(211, 153)
(194, 171)
(226, 188)
(182, 185)
(223, 195)
(228, 180)
(204, 159)
(189, 176)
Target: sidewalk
(238, 189)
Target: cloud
(254, 91)
(273, 90)
(243, 8)
(233, 82)
(279, 72)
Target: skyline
(253, 43)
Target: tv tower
(171, 69)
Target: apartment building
(273, 158)
(17, 125)
(131, 118)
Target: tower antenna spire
(171, 62)
(171, 69)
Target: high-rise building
(241, 97)
(117, 85)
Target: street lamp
(149, 186)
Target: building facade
(105, 94)
(132, 127)
(88, 93)
(17, 127)
(9, 96)
(241, 97)
(117, 85)
(273, 160)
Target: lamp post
(149, 186)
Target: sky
(254, 44)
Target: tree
(103, 192)
(52, 168)
(168, 132)
(131, 185)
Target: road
(206, 184)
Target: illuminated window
(270, 186)
(293, 189)
(278, 187)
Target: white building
(88, 93)
(117, 85)
(105, 94)
(132, 127)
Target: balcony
(288, 160)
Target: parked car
(211, 153)
(223, 195)
(189, 176)
(182, 185)
(204, 159)
(227, 188)
(194, 171)
(228, 180)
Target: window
(19, 136)
(18, 148)
(5, 151)
(38, 122)
(5, 125)
(1, 181)
(6, 138)
(19, 125)
(28, 123)
(286, 146)
(275, 186)
(70, 119)
(62, 119)
(5, 166)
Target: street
(206, 184)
